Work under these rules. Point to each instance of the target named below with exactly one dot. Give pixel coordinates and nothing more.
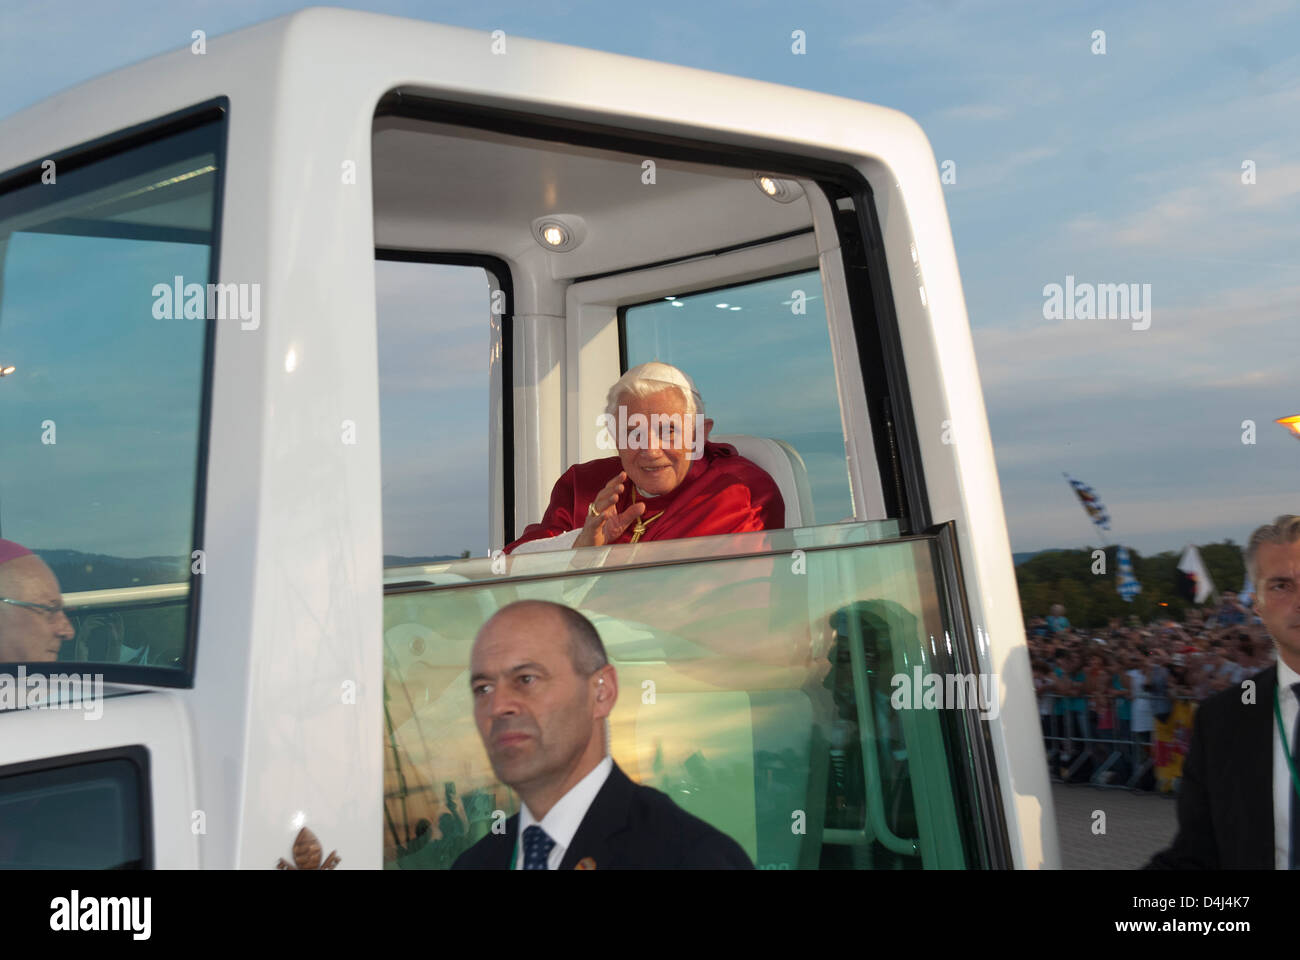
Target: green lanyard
(1286, 749)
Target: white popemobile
(225, 435)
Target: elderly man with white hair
(668, 480)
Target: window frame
(136, 754)
(989, 840)
(875, 324)
(214, 112)
(874, 318)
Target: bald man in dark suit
(542, 688)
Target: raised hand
(608, 524)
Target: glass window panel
(760, 354)
(772, 677)
(83, 817)
(434, 346)
(100, 418)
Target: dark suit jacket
(1225, 810)
(626, 826)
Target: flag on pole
(1091, 502)
(1126, 583)
(1196, 584)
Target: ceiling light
(778, 188)
(678, 303)
(722, 306)
(559, 232)
(5, 371)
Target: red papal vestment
(722, 493)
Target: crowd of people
(1117, 702)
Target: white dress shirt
(562, 820)
(1281, 772)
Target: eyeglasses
(51, 613)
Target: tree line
(1091, 600)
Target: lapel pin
(586, 863)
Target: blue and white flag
(1126, 583)
(1091, 502)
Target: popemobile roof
(285, 63)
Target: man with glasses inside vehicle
(33, 625)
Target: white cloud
(982, 175)
(1208, 206)
(1258, 11)
(1253, 379)
(975, 112)
(1273, 184)
(1188, 345)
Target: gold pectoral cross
(639, 527)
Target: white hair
(650, 378)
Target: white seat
(784, 465)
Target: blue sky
(1124, 167)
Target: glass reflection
(754, 690)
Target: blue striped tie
(537, 848)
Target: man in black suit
(542, 688)
(1240, 801)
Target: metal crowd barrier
(1071, 742)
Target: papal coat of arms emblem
(307, 854)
